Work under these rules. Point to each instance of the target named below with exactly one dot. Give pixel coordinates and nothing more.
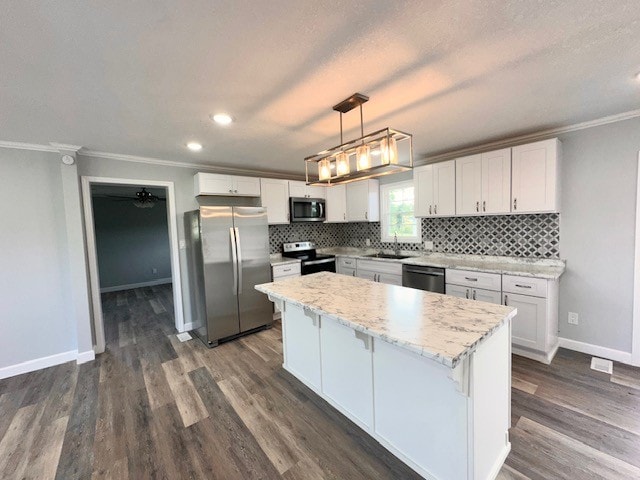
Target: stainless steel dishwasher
(430, 279)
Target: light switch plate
(367, 242)
(573, 318)
(182, 244)
(428, 245)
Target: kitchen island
(427, 375)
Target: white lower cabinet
(302, 352)
(346, 266)
(534, 331)
(346, 370)
(378, 271)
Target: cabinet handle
(523, 286)
(515, 203)
(435, 209)
(429, 209)
(474, 294)
(505, 300)
(344, 216)
(353, 274)
(467, 294)
(230, 191)
(484, 205)
(477, 206)
(471, 279)
(286, 269)
(287, 217)
(366, 215)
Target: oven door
(322, 265)
(306, 209)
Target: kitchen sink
(387, 255)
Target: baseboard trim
(84, 357)
(541, 357)
(130, 286)
(602, 352)
(45, 362)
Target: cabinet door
(390, 279)
(298, 189)
(213, 184)
(336, 204)
(469, 185)
(423, 191)
(368, 274)
(528, 328)
(316, 192)
(302, 345)
(534, 177)
(347, 376)
(347, 271)
(488, 296)
(496, 181)
(357, 202)
(458, 291)
(247, 186)
(444, 188)
(275, 198)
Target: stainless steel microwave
(306, 209)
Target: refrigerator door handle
(234, 260)
(239, 260)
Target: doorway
(132, 250)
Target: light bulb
(342, 164)
(324, 169)
(363, 156)
(389, 151)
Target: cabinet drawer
(345, 262)
(380, 267)
(288, 270)
(467, 278)
(536, 287)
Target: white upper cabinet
(363, 201)
(274, 195)
(336, 204)
(483, 183)
(227, 185)
(535, 177)
(435, 189)
(496, 182)
(469, 185)
(302, 190)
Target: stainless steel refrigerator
(228, 254)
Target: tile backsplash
(536, 236)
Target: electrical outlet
(367, 242)
(154, 271)
(573, 318)
(428, 245)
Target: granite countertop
(443, 328)
(277, 259)
(523, 267)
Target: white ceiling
(141, 78)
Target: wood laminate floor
(153, 407)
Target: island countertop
(444, 328)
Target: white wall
(597, 231)
(36, 318)
(131, 242)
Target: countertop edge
(446, 361)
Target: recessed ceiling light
(194, 146)
(222, 118)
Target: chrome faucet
(395, 241)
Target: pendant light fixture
(373, 155)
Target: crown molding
(28, 146)
(198, 166)
(425, 159)
(65, 148)
(529, 137)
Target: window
(397, 216)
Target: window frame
(384, 213)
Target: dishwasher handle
(425, 272)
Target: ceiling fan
(141, 199)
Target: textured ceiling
(141, 78)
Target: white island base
(446, 424)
